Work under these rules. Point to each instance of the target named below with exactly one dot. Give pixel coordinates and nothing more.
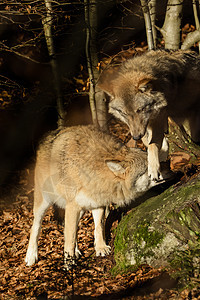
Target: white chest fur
(85, 202)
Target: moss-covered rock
(159, 229)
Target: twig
(7, 49)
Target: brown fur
(82, 168)
(147, 89)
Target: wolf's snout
(136, 133)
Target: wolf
(147, 89)
(82, 168)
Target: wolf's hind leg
(99, 233)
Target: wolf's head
(135, 99)
(132, 174)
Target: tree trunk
(148, 24)
(96, 96)
(47, 25)
(162, 230)
(172, 24)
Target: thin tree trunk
(96, 96)
(172, 24)
(89, 64)
(47, 25)
(148, 24)
(152, 10)
(196, 18)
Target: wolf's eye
(138, 110)
(143, 88)
(122, 113)
(146, 108)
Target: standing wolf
(147, 89)
(82, 168)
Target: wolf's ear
(116, 167)
(106, 80)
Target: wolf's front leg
(32, 251)
(154, 163)
(153, 140)
(72, 216)
(99, 233)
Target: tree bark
(172, 24)
(47, 25)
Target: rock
(158, 230)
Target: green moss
(121, 246)
(143, 240)
(186, 265)
(144, 233)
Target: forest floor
(91, 278)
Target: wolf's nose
(137, 137)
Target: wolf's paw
(31, 256)
(103, 251)
(154, 173)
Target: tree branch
(193, 37)
(3, 47)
